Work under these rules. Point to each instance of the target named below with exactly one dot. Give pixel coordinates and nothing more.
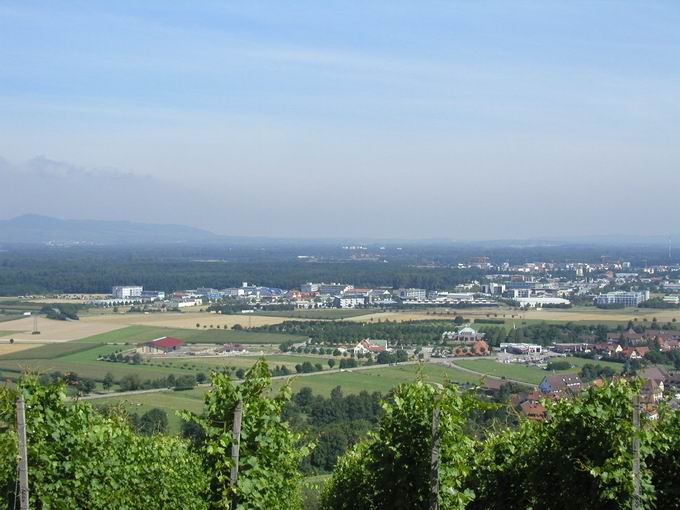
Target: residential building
(560, 383)
(533, 410)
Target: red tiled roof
(166, 342)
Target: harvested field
(12, 348)
(138, 334)
(320, 314)
(54, 331)
(49, 351)
(186, 320)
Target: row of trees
(344, 332)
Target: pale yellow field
(575, 314)
(185, 320)
(55, 331)
(8, 348)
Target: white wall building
(127, 291)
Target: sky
(413, 120)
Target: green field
(376, 379)
(170, 401)
(532, 375)
(329, 313)
(139, 334)
(379, 379)
(50, 351)
(82, 358)
(529, 374)
(579, 362)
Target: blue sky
(457, 112)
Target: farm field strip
(382, 378)
(14, 348)
(185, 320)
(528, 374)
(318, 314)
(46, 351)
(137, 334)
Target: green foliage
(392, 469)
(665, 462)
(558, 365)
(580, 458)
(154, 421)
(270, 452)
(80, 458)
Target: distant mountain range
(36, 229)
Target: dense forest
(30, 269)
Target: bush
(392, 469)
(81, 458)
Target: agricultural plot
(139, 334)
(524, 373)
(187, 320)
(319, 314)
(579, 362)
(54, 330)
(7, 348)
(377, 379)
(170, 401)
(49, 351)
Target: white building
(412, 294)
(127, 291)
(334, 289)
(349, 301)
(623, 298)
(309, 287)
(493, 288)
(540, 301)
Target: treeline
(96, 271)
(544, 333)
(343, 332)
(61, 311)
(335, 424)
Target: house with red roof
(533, 411)
(162, 345)
(368, 346)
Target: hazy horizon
(461, 121)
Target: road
(238, 381)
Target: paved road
(310, 374)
